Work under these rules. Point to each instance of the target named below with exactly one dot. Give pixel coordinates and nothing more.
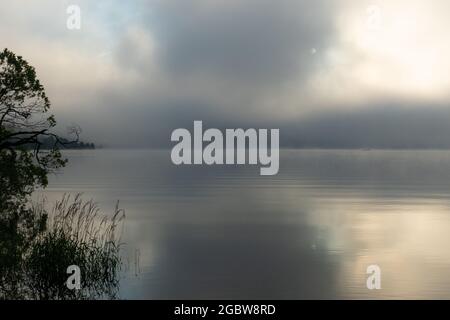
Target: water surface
(199, 232)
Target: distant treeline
(49, 142)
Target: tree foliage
(34, 253)
(24, 124)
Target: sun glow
(396, 49)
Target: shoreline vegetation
(39, 246)
(73, 233)
(48, 143)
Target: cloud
(137, 70)
(256, 41)
(389, 125)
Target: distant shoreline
(281, 148)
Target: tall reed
(76, 234)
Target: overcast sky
(327, 73)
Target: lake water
(309, 232)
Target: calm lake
(199, 232)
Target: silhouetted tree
(25, 125)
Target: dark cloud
(393, 125)
(257, 41)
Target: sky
(326, 73)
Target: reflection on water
(309, 232)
